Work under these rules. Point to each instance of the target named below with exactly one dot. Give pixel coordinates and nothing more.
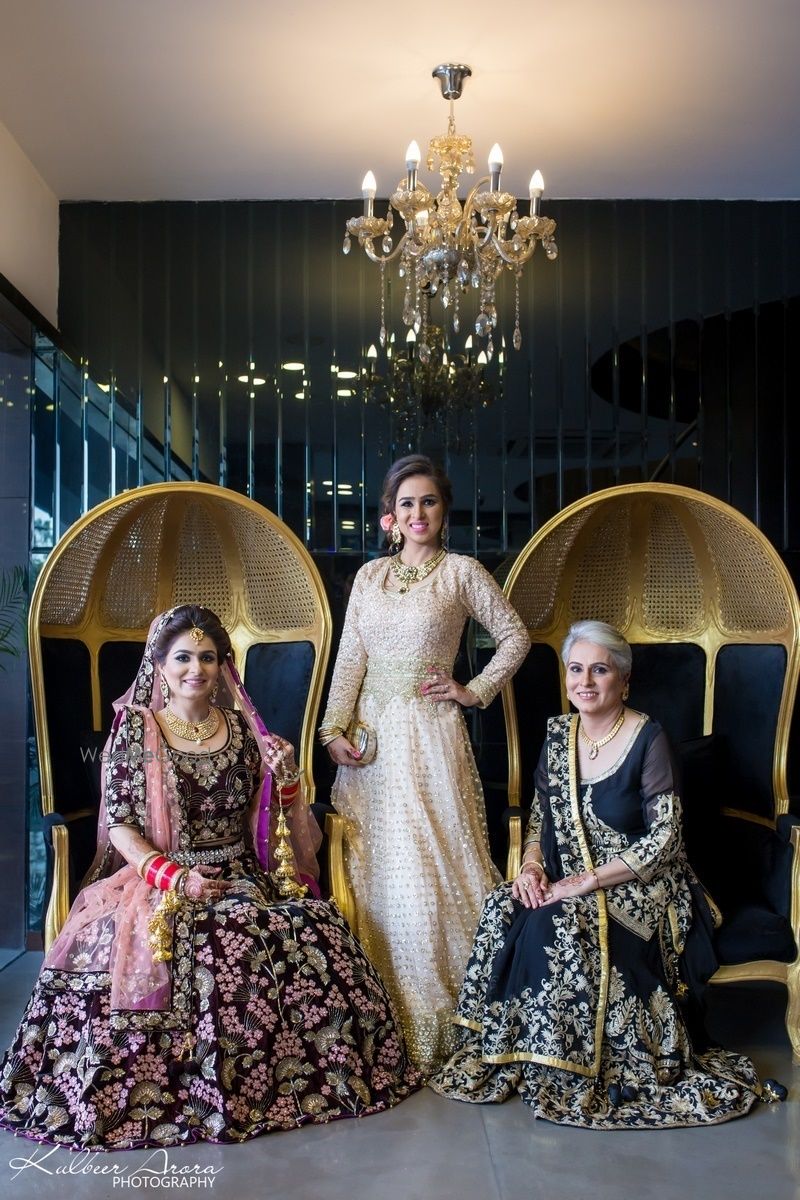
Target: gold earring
(397, 536)
(162, 683)
(626, 691)
(213, 695)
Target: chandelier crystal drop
(450, 249)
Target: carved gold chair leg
(793, 1010)
(58, 908)
(514, 860)
(340, 888)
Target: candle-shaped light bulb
(368, 189)
(495, 167)
(412, 163)
(372, 352)
(535, 189)
(482, 359)
(411, 336)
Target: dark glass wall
(15, 391)
(657, 345)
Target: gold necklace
(407, 574)
(594, 746)
(193, 731)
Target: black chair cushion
(700, 792)
(747, 697)
(277, 677)
(668, 683)
(754, 868)
(117, 664)
(752, 932)
(68, 698)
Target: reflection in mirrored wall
(655, 347)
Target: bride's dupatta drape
(105, 940)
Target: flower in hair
(386, 522)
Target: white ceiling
(235, 99)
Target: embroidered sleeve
(485, 602)
(251, 752)
(533, 833)
(351, 664)
(125, 777)
(662, 842)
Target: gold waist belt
(389, 678)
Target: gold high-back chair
(128, 559)
(714, 622)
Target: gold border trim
(474, 1025)
(526, 1056)
(599, 895)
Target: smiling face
(419, 511)
(191, 669)
(594, 683)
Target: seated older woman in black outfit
(574, 992)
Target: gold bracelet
(329, 733)
(534, 862)
(596, 880)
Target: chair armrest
(340, 888)
(512, 819)
(57, 841)
(333, 826)
(788, 827)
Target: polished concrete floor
(432, 1149)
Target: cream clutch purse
(362, 737)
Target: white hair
(603, 635)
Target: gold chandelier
(448, 248)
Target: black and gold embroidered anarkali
(578, 1005)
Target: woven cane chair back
(139, 554)
(699, 593)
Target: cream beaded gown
(417, 853)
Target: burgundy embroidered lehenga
(268, 1016)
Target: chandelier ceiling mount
(448, 248)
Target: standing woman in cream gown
(417, 852)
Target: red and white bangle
(288, 794)
(145, 863)
(161, 873)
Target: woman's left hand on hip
(439, 686)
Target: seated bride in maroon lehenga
(186, 999)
